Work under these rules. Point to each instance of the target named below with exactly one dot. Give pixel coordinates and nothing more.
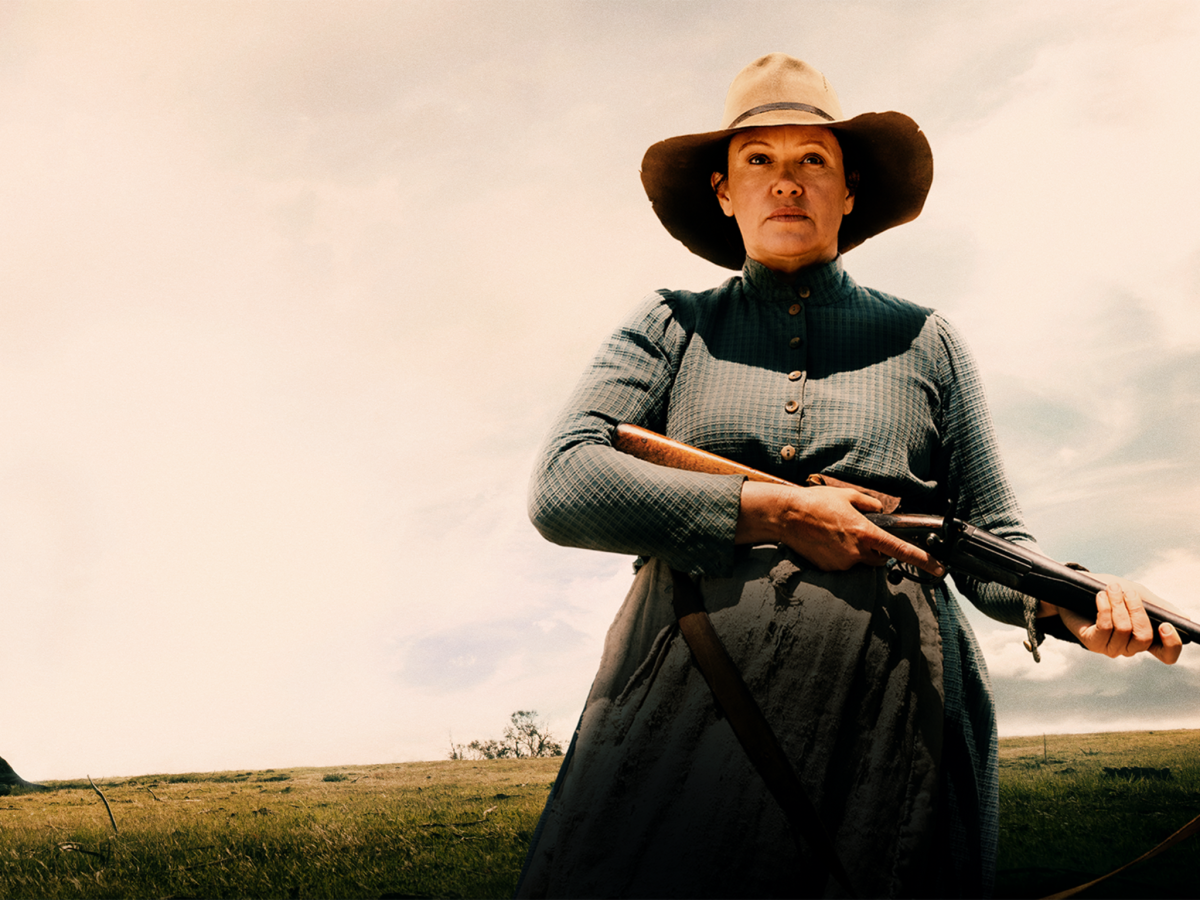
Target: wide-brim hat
(891, 155)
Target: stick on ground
(106, 806)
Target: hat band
(771, 107)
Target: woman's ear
(720, 186)
(851, 190)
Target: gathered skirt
(656, 797)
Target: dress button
(791, 406)
(788, 452)
(794, 309)
(795, 376)
(794, 343)
(804, 292)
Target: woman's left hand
(1122, 627)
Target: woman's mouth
(787, 214)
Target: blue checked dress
(878, 693)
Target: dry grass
(436, 829)
(460, 828)
(1064, 820)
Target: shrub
(524, 738)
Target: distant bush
(524, 738)
(335, 776)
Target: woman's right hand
(825, 525)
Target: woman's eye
(758, 159)
(814, 159)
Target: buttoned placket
(793, 305)
(798, 375)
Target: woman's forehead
(778, 135)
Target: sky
(292, 293)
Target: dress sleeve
(584, 493)
(976, 477)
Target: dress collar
(819, 285)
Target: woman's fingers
(1141, 632)
(888, 546)
(824, 524)
(1113, 623)
(1170, 646)
(1121, 619)
(1134, 596)
(1122, 627)
(864, 502)
(876, 546)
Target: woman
(877, 693)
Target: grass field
(460, 828)
(1064, 821)
(435, 829)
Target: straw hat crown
(759, 95)
(889, 151)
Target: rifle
(960, 548)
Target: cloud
(1095, 693)
(466, 656)
(294, 291)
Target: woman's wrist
(760, 513)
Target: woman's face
(786, 187)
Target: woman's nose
(788, 185)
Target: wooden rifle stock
(663, 451)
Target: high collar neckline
(817, 285)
